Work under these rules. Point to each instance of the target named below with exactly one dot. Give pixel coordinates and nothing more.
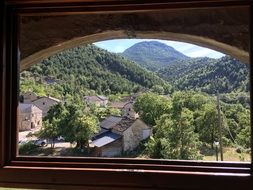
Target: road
(22, 136)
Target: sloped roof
(48, 97)
(101, 132)
(105, 139)
(102, 97)
(109, 122)
(29, 93)
(23, 107)
(91, 98)
(124, 124)
(95, 98)
(126, 98)
(119, 105)
(52, 98)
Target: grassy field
(230, 154)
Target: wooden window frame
(98, 173)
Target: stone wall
(29, 119)
(110, 150)
(133, 135)
(221, 29)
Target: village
(118, 134)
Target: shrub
(28, 148)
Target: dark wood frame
(98, 173)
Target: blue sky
(191, 50)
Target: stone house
(126, 108)
(133, 131)
(97, 100)
(44, 103)
(118, 135)
(29, 117)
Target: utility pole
(216, 144)
(220, 126)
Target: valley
(173, 94)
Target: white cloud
(192, 50)
(199, 53)
(203, 52)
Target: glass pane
(166, 85)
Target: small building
(133, 131)
(97, 100)
(118, 135)
(44, 103)
(28, 97)
(29, 117)
(107, 144)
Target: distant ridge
(208, 75)
(153, 55)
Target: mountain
(205, 74)
(83, 69)
(225, 75)
(88, 69)
(153, 55)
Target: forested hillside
(153, 55)
(88, 69)
(225, 75)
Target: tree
(78, 126)
(85, 127)
(49, 131)
(175, 138)
(151, 106)
(158, 89)
(243, 138)
(52, 123)
(56, 112)
(207, 123)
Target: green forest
(88, 70)
(186, 124)
(177, 99)
(208, 75)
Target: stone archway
(224, 30)
(205, 42)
